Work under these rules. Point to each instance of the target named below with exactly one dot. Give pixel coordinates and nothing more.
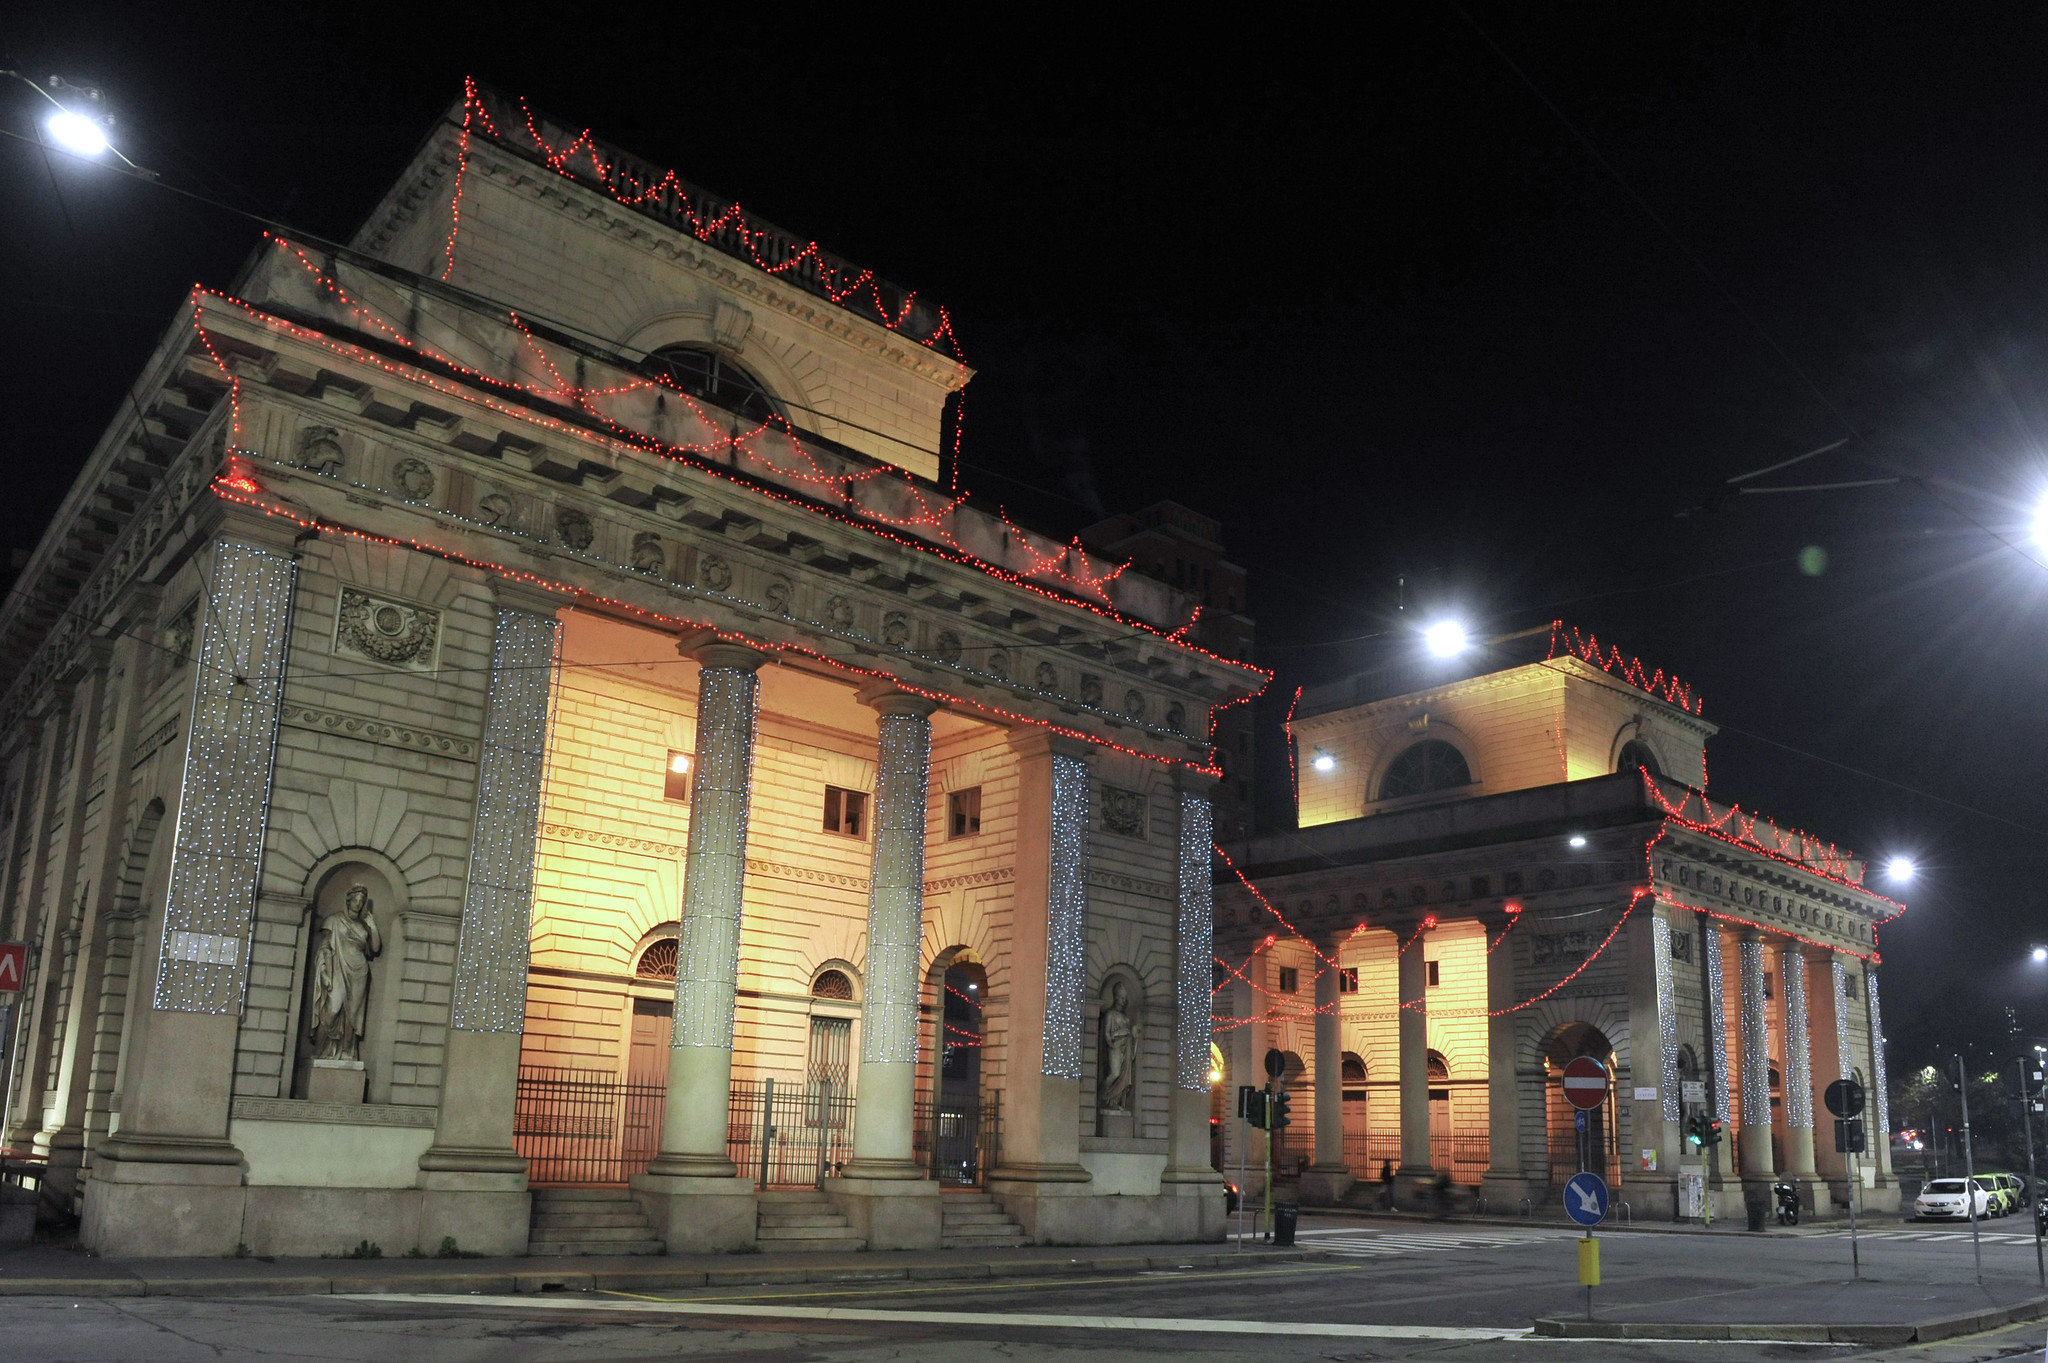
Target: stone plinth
(336, 1081)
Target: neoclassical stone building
(508, 721)
(1507, 861)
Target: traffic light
(1713, 1136)
(1696, 1129)
(1280, 1104)
(1849, 1138)
(1251, 1105)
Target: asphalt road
(1451, 1293)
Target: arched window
(709, 375)
(1636, 753)
(658, 962)
(832, 984)
(1429, 765)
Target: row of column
(1816, 998)
(1329, 1173)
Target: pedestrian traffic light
(1281, 1100)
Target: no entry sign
(1585, 1082)
(13, 966)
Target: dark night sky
(1357, 292)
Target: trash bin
(1754, 1203)
(1284, 1214)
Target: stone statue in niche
(349, 940)
(1116, 1079)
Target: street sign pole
(1970, 1171)
(1244, 1129)
(2033, 1185)
(1844, 1098)
(1585, 1202)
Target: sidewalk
(1852, 1312)
(1555, 1219)
(44, 1271)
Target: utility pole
(1970, 1170)
(2033, 1184)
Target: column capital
(1034, 741)
(886, 699)
(705, 648)
(512, 594)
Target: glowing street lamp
(1576, 840)
(1445, 638)
(2039, 955)
(75, 132)
(78, 119)
(1900, 869)
(1324, 762)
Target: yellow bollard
(1589, 1262)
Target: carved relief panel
(395, 633)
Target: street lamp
(75, 132)
(2041, 522)
(1446, 638)
(78, 119)
(1900, 869)
(1324, 762)
(2039, 955)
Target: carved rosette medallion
(395, 633)
(573, 528)
(716, 573)
(415, 478)
(840, 612)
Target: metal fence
(959, 1141)
(1463, 1156)
(788, 1134)
(591, 1127)
(586, 1126)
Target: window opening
(675, 780)
(1347, 980)
(1429, 765)
(1290, 980)
(709, 375)
(832, 984)
(846, 811)
(963, 813)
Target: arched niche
(330, 882)
(1121, 1080)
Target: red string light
(1587, 649)
(1293, 777)
(1077, 584)
(1787, 846)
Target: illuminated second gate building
(1506, 861)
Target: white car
(1943, 1200)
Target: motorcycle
(1788, 1204)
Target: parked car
(1944, 1199)
(2007, 1189)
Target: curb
(1912, 1332)
(504, 1282)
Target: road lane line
(1009, 1319)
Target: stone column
(1327, 1179)
(170, 1181)
(1799, 1119)
(1877, 1113)
(1189, 1176)
(1754, 1139)
(1505, 1184)
(1720, 1075)
(885, 1195)
(100, 857)
(1041, 1179)
(41, 795)
(1415, 1172)
(473, 1181)
(692, 1190)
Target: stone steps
(976, 1221)
(802, 1221)
(568, 1221)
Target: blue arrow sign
(1585, 1199)
(1580, 1119)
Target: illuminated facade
(1506, 863)
(511, 717)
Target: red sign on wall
(13, 966)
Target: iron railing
(959, 1140)
(1463, 1156)
(785, 1133)
(586, 1126)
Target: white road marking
(1372, 1244)
(1948, 1237)
(1012, 1319)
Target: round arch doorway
(955, 1120)
(1599, 1150)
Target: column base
(889, 1212)
(699, 1215)
(1322, 1185)
(1505, 1191)
(1039, 1173)
(483, 1212)
(1415, 1188)
(141, 1208)
(468, 1159)
(668, 1165)
(884, 1171)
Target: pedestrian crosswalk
(1989, 1237)
(1358, 1243)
